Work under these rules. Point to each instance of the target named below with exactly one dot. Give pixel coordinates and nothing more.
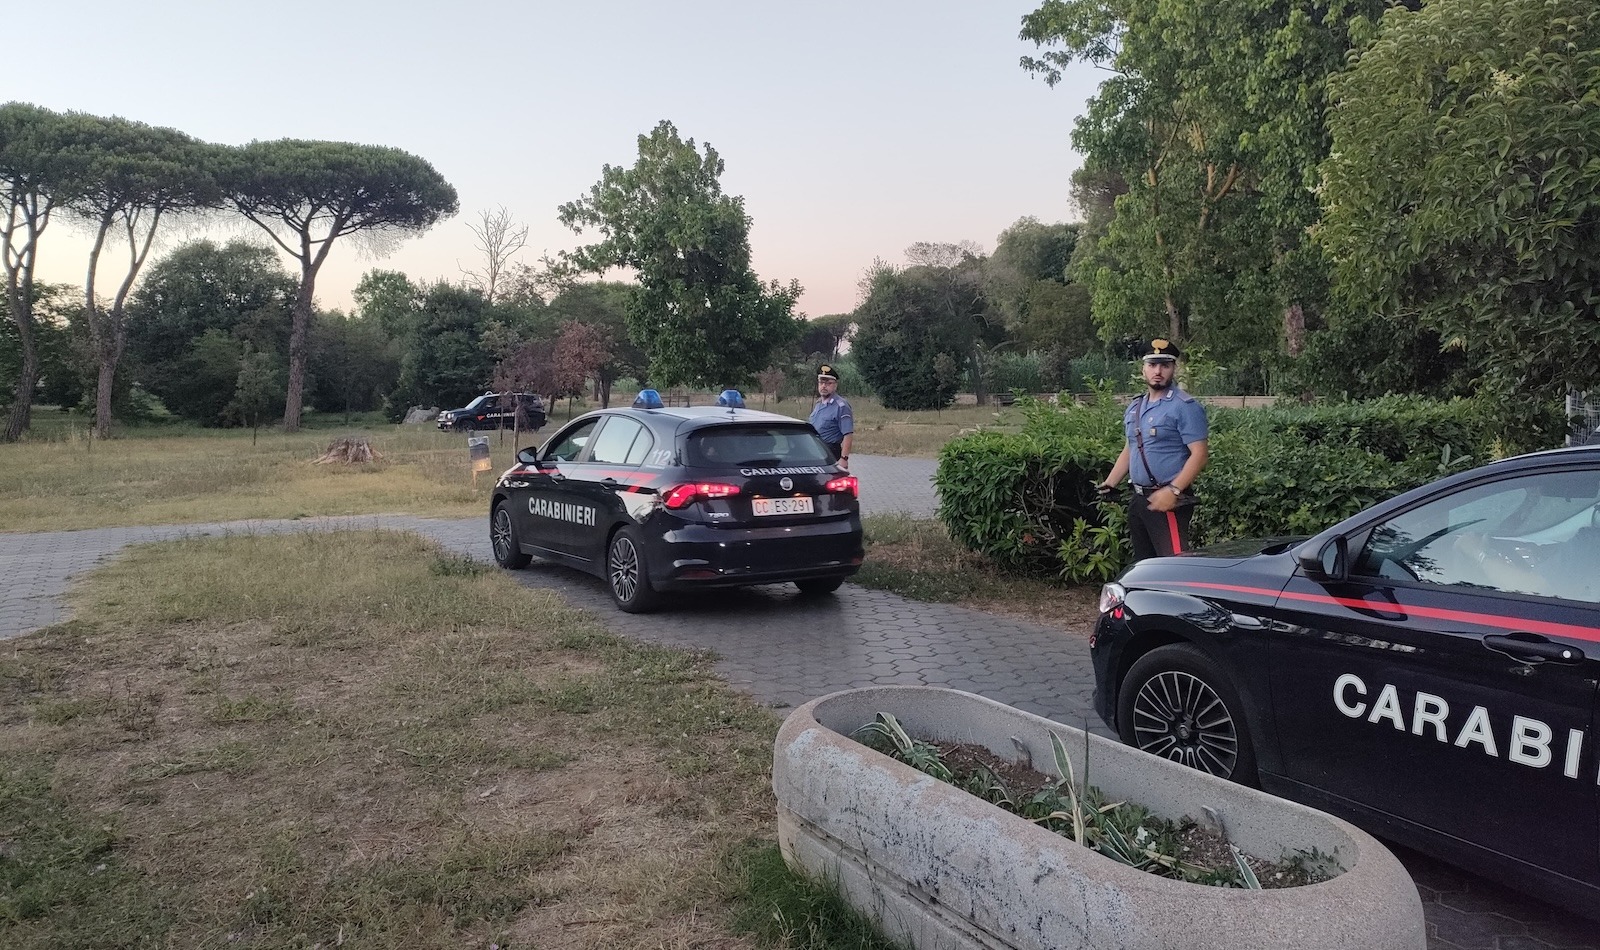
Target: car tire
(628, 574)
(1177, 703)
(503, 539)
(817, 586)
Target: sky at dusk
(851, 129)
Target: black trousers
(1157, 533)
(837, 448)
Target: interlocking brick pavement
(785, 649)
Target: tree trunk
(1294, 329)
(22, 406)
(102, 397)
(28, 377)
(299, 340)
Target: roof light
(682, 496)
(648, 399)
(732, 398)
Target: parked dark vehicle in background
(655, 499)
(495, 411)
(1426, 669)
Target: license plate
(783, 506)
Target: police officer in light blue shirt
(1164, 450)
(831, 416)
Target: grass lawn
(364, 742)
(60, 479)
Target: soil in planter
(1196, 844)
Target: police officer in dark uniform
(1165, 430)
(831, 416)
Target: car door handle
(609, 482)
(1532, 648)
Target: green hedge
(1027, 501)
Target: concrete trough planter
(943, 869)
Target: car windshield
(756, 445)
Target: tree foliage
(1026, 280)
(821, 337)
(41, 170)
(1463, 193)
(700, 313)
(134, 175)
(914, 331)
(1207, 135)
(191, 319)
(445, 363)
(603, 305)
(308, 194)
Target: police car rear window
(756, 445)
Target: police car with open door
(655, 499)
(1426, 669)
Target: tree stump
(350, 451)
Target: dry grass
(59, 479)
(918, 559)
(881, 431)
(361, 742)
(219, 475)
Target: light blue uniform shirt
(833, 419)
(1167, 425)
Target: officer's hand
(1103, 490)
(1162, 500)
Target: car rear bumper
(708, 556)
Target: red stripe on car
(1526, 624)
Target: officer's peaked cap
(1159, 351)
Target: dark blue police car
(654, 499)
(1426, 669)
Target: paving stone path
(785, 650)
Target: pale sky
(851, 129)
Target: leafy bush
(1027, 500)
(1015, 497)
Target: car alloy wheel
(627, 575)
(503, 538)
(1178, 705)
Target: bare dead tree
(499, 238)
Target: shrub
(1027, 500)
(1015, 497)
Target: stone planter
(942, 869)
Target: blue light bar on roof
(731, 398)
(647, 399)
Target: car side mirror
(526, 457)
(1330, 562)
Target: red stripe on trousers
(1172, 528)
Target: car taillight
(1112, 597)
(683, 496)
(847, 483)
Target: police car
(655, 499)
(493, 411)
(1426, 669)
